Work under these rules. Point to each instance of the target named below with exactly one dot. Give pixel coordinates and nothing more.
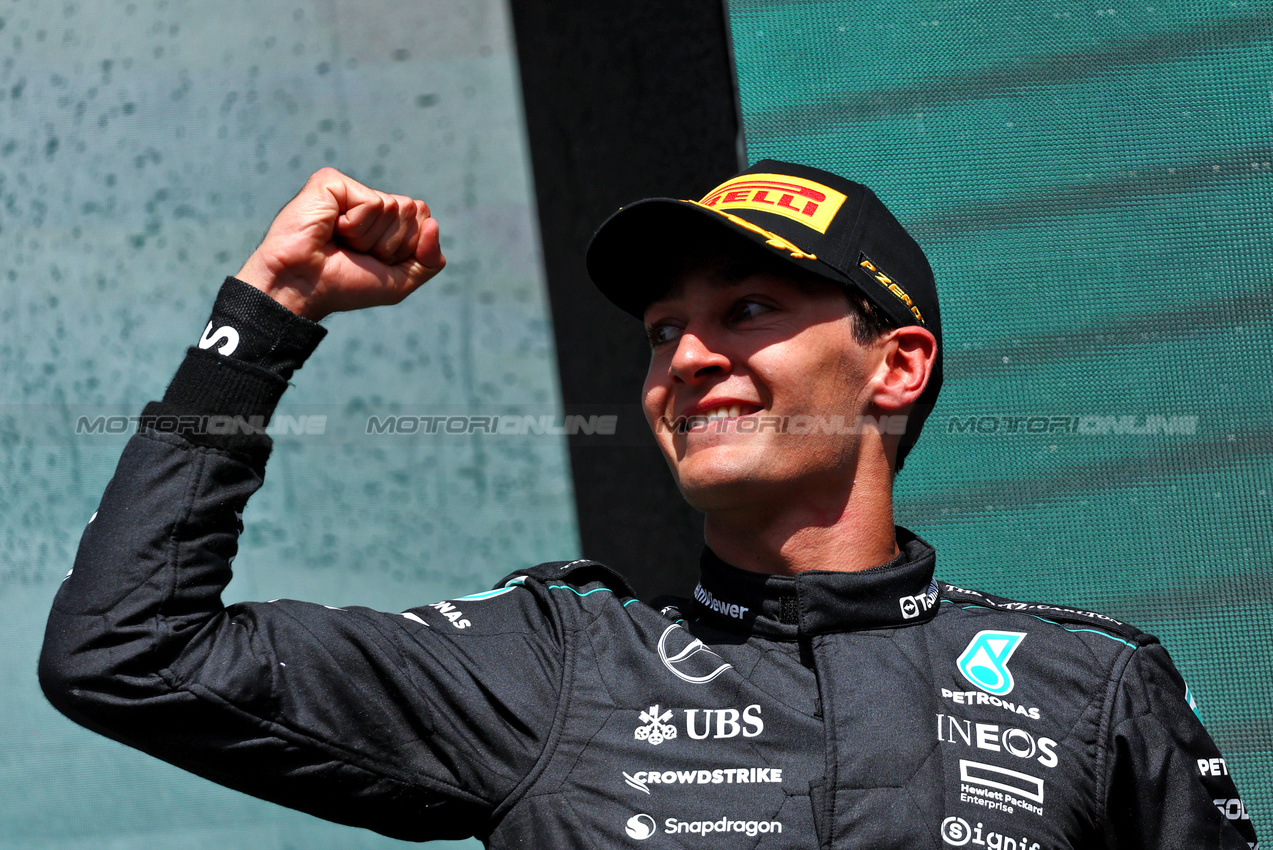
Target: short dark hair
(869, 324)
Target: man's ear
(907, 363)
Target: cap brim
(629, 257)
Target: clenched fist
(339, 245)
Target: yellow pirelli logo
(887, 282)
(809, 203)
(772, 239)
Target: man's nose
(696, 358)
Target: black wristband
(248, 325)
(226, 389)
(218, 401)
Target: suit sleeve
(1168, 785)
(416, 724)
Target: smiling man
(821, 689)
(775, 384)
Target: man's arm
(1167, 784)
(403, 723)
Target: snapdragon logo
(985, 661)
(672, 826)
(640, 827)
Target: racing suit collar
(899, 593)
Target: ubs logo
(693, 662)
(658, 726)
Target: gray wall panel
(144, 147)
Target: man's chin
(719, 493)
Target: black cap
(817, 221)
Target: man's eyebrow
(654, 312)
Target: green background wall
(144, 147)
(1093, 185)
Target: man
(821, 689)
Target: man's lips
(703, 415)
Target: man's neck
(849, 534)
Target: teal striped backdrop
(1093, 188)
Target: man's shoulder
(578, 575)
(558, 597)
(1068, 618)
(582, 586)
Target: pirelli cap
(817, 221)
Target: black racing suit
(876, 709)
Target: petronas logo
(985, 661)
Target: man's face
(734, 362)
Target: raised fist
(339, 245)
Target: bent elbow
(61, 677)
(76, 677)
